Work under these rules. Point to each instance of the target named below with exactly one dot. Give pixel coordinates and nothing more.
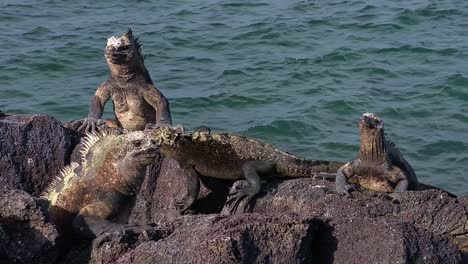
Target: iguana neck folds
(372, 147)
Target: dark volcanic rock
(387, 240)
(247, 238)
(26, 235)
(33, 149)
(431, 210)
(275, 238)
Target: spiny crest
(96, 149)
(90, 140)
(60, 182)
(392, 145)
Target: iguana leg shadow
(193, 189)
(251, 170)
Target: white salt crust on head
(114, 42)
(371, 115)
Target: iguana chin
(97, 194)
(232, 157)
(379, 165)
(137, 102)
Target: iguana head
(123, 54)
(372, 137)
(137, 147)
(369, 123)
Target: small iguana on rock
(232, 157)
(379, 165)
(137, 102)
(97, 194)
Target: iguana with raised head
(97, 194)
(232, 157)
(137, 102)
(379, 165)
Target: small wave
(443, 147)
(389, 27)
(233, 72)
(417, 50)
(285, 128)
(244, 4)
(217, 102)
(15, 94)
(340, 106)
(37, 31)
(374, 71)
(431, 11)
(318, 22)
(253, 34)
(338, 56)
(10, 18)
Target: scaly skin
(137, 102)
(97, 195)
(232, 157)
(379, 166)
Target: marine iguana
(137, 102)
(379, 165)
(97, 194)
(231, 157)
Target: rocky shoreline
(293, 221)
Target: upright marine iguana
(379, 165)
(137, 102)
(232, 157)
(97, 194)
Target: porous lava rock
(26, 234)
(33, 149)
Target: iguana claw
(183, 204)
(346, 189)
(235, 198)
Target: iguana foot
(184, 204)
(345, 189)
(137, 229)
(324, 176)
(395, 197)
(235, 198)
(151, 126)
(90, 125)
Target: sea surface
(297, 74)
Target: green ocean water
(297, 74)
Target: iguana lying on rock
(137, 102)
(232, 157)
(379, 165)
(97, 194)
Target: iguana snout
(143, 150)
(370, 121)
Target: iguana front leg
(193, 189)
(92, 220)
(341, 181)
(96, 109)
(396, 174)
(250, 169)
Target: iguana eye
(136, 143)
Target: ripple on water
(443, 147)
